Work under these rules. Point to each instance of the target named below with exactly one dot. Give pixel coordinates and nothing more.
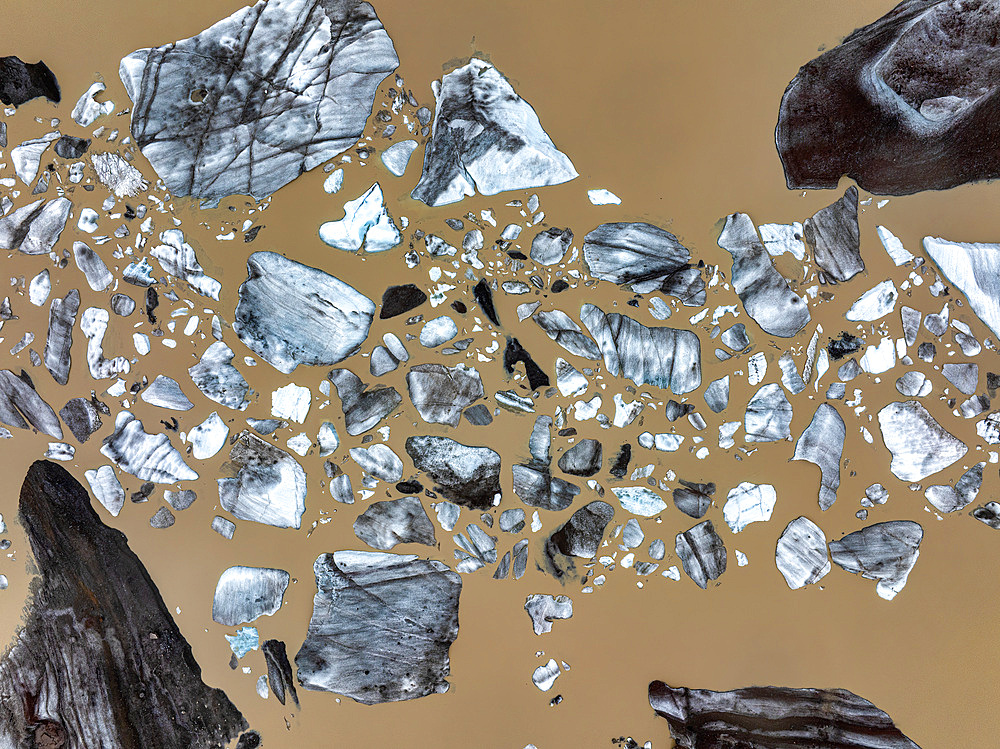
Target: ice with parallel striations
(149, 457)
(801, 555)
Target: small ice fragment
(603, 197)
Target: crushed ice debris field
(166, 345)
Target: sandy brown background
(671, 105)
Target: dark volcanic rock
(846, 345)
(619, 467)
(702, 553)
(21, 82)
(774, 718)
(260, 97)
(398, 300)
(514, 353)
(87, 641)
(469, 476)
(381, 626)
(907, 103)
(483, 295)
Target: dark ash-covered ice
(903, 104)
(20, 81)
(579, 537)
(96, 634)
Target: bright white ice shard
(749, 503)
(106, 487)
(291, 402)
(919, 445)
(975, 270)
(208, 437)
(893, 247)
(875, 303)
(366, 222)
(601, 196)
(269, 486)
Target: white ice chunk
(291, 402)
(366, 222)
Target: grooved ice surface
(885, 552)
(149, 457)
(381, 626)
(260, 97)
(97, 635)
(246, 593)
(663, 357)
(291, 314)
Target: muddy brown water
(672, 106)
